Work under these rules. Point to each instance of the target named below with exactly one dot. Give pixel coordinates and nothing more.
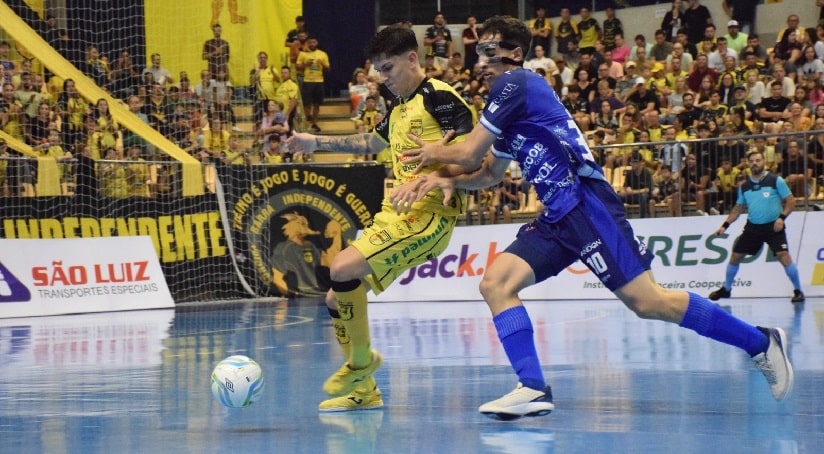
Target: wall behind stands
(343, 30)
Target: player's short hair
(392, 41)
(512, 30)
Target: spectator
(666, 191)
(292, 35)
(215, 140)
(672, 154)
(287, 94)
(695, 181)
(643, 97)
(273, 151)
(615, 70)
(124, 76)
(541, 29)
(788, 49)
(612, 26)
(219, 98)
(508, 196)
(369, 116)
(607, 122)
(431, 68)
(138, 179)
(295, 48)
(700, 70)
(621, 52)
(358, 89)
(640, 52)
(696, 19)
(638, 186)
(272, 122)
(787, 83)
(216, 51)
(159, 74)
(605, 93)
(736, 40)
(113, 175)
(673, 20)
(469, 35)
(662, 47)
(540, 60)
(727, 180)
(578, 108)
(566, 32)
(815, 151)
(314, 63)
(439, 40)
(158, 109)
(754, 46)
(566, 73)
(794, 171)
(716, 59)
(773, 110)
(264, 78)
(589, 30)
(754, 89)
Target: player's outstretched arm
(367, 143)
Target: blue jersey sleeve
(507, 102)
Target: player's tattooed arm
(355, 144)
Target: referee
(768, 201)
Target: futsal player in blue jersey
(584, 219)
(768, 201)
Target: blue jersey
(763, 198)
(534, 128)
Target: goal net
(136, 118)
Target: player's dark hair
(392, 41)
(511, 30)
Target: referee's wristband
(726, 225)
(782, 216)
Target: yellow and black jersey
(433, 109)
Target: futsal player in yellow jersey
(427, 108)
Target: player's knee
(494, 288)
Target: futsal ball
(237, 381)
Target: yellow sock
(352, 308)
(341, 336)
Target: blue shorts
(596, 231)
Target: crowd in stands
(672, 118)
(48, 113)
(644, 104)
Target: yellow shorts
(394, 243)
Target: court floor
(139, 382)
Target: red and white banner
(71, 276)
(688, 256)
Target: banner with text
(186, 233)
(52, 277)
(688, 256)
(288, 221)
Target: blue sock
(732, 270)
(515, 331)
(792, 273)
(711, 321)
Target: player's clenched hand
(427, 153)
(301, 143)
